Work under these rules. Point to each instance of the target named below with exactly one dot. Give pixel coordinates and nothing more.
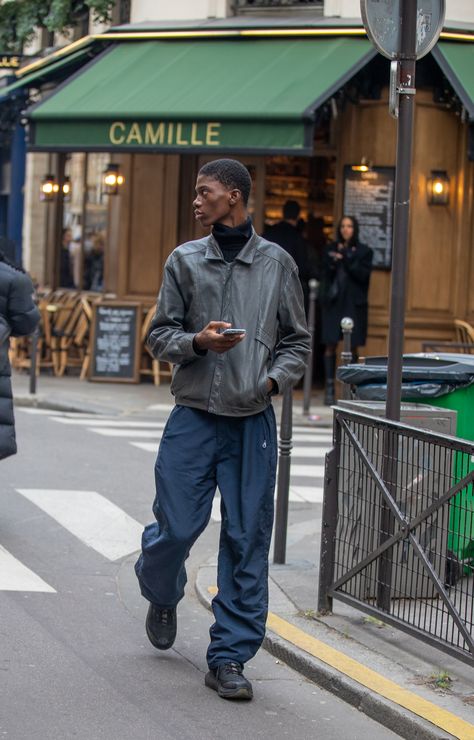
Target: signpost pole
(406, 92)
(407, 62)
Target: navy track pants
(199, 452)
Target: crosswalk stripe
(91, 518)
(327, 438)
(135, 434)
(112, 423)
(15, 576)
(307, 471)
(310, 494)
(147, 446)
(154, 433)
(297, 452)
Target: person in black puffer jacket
(19, 314)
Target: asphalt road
(75, 661)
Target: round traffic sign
(381, 19)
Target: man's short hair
(291, 209)
(231, 173)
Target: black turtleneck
(232, 239)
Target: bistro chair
(464, 335)
(149, 365)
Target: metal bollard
(308, 375)
(283, 486)
(33, 360)
(347, 326)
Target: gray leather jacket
(260, 292)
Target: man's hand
(271, 386)
(209, 338)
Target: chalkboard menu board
(369, 197)
(115, 342)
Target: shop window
(85, 219)
(310, 181)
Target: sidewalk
(387, 674)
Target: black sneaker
(161, 626)
(229, 681)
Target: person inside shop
(230, 317)
(66, 279)
(19, 316)
(94, 264)
(75, 253)
(346, 268)
(288, 233)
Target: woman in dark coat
(19, 317)
(346, 269)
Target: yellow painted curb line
(370, 679)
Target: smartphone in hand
(233, 332)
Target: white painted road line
(131, 433)
(91, 518)
(14, 576)
(112, 423)
(161, 406)
(307, 471)
(147, 446)
(320, 439)
(310, 494)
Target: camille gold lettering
(134, 134)
(194, 139)
(167, 133)
(213, 134)
(112, 135)
(154, 136)
(179, 140)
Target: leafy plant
(442, 680)
(20, 19)
(376, 622)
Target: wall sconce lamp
(67, 189)
(112, 179)
(437, 188)
(364, 166)
(48, 188)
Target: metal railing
(398, 529)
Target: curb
(383, 711)
(43, 402)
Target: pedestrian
(66, 279)
(346, 268)
(288, 233)
(18, 317)
(222, 431)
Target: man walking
(222, 431)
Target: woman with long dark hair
(346, 269)
(18, 317)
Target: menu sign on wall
(115, 342)
(369, 197)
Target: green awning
(214, 95)
(45, 73)
(457, 63)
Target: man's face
(213, 202)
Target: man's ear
(234, 196)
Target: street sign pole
(406, 109)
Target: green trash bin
(441, 380)
(461, 520)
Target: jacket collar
(246, 254)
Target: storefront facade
(298, 113)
